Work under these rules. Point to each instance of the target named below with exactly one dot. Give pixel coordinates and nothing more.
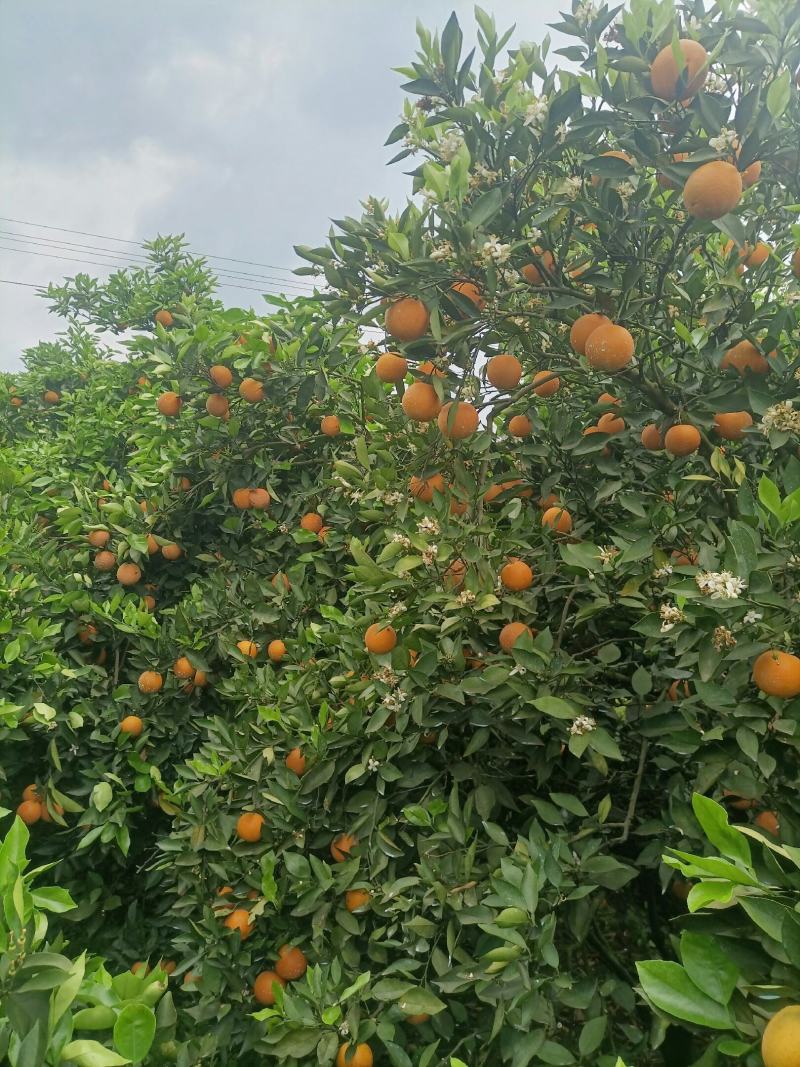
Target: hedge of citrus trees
(358, 688)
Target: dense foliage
(391, 670)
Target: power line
(28, 285)
(139, 244)
(75, 247)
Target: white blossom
(584, 724)
(495, 251)
(466, 597)
(664, 571)
(536, 113)
(393, 497)
(449, 145)
(401, 539)
(693, 24)
(397, 609)
(781, 416)
(607, 553)
(670, 617)
(517, 670)
(586, 12)
(385, 675)
(751, 617)
(722, 638)
(720, 585)
(625, 191)
(430, 555)
(561, 132)
(428, 526)
(373, 764)
(573, 186)
(725, 140)
(715, 83)
(442, 251)
(394, 701)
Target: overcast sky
(245, 124)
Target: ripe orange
(105, 561)
(796, 263)
(684, 559)
(457, 505)
(217, 405)
(744, 357)
(418, 1019)
(128, 574)
(391, 367)
(768, 820)
(511, 633)
(504, 371)
(279, 580)
(220, 375)
(558, 519)
(200, 679)
(239, 919)
(549, 384)
(777, 673)
(757, 256)
(248, 648)
(682, 439)
(150, 682)
(248, 826)
(30, 811)
(184, 485)
(357, 899)
(520, 426)
(182, 667)
(292, 963)
(751, 174)
(713, 190)
(429, 367)
(31, 792)
(296, 762)
(651, 438)
(516, 575)
(354, 1056)
(668, 83)
(471, 292)
(132, 725)
(171, 551)
(532, 273)
(50, 396)
(169, 403)
(16, 401)
(163, 318)
(609, 348)
(380, 638)
(407, 319)
(251, 390)
(330, 426)
(342, 847)
(596, 179)
(780, 1043)
(276, 650)
(263, 987)
(312, 522)
(424, 488)
(453, 577)
(666, 182)
(606, 399)
(86, 634)
(463, 422)
(152, 545)
(420, 402)
(610, 423)
(241, 499)
(732, 424)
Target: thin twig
(637, 785)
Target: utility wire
(28, 285)
(124, 240)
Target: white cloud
(100, 193)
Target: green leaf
(87, 1053)
(714, 820)
(101, 795)
(669, 987)
(779, 93)
(770, 497)
(486, 206)
(134, 1031)
(708, 966)
(592, 1034)
(642, 681)
(418, 1000)
(555, 706)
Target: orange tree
(369, 683)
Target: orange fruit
(511, 633)
(651, 438)
(610, 423)
(296, 762)
(462, 423)
(16, 401)
(391, 367)
(751, 174)
(248, 826)
(217, 405)
(418, 1019)
(182, 667)
(407, 319)
(380, 638)
(150, 682)
(713, 190)
(732, 424)
(292, 963)
(768, 820)
(516, 575)
(152, 545)
(312, 522)
(200, 679)
(674, 690)
(330, 426)
(429, 367)
(357, 899)
(276, 650)
(666, 182)
(532, 273)
(87, 633)
(457, 506)
(98, 538)
(30, 811)
(670, 84)
(342, 847)
(606, 399)
(549, 384)
(758, 255)
(682, 439)
(737, 801)
(780, 1042)
(31, 792)
(471, 292)
(241, 498)
(558, 519)
(163, 317)
(520, 426)
(128, 574)
(453, 577)
(504, 371)
(105, 561)
(259, 499)
(239, 919)
(420, 402)
(744, 357)
(685, 559)
(609, 348)
(424, 488)
(596, 179)
(279, 580)
(169, 403)
(796, 263)
(263, 987)
(132, 725)
(171, 551)
(777, 673)
(354, 1056)
(220, 375)
(248, 648)
(251, 390)
(184, 485)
